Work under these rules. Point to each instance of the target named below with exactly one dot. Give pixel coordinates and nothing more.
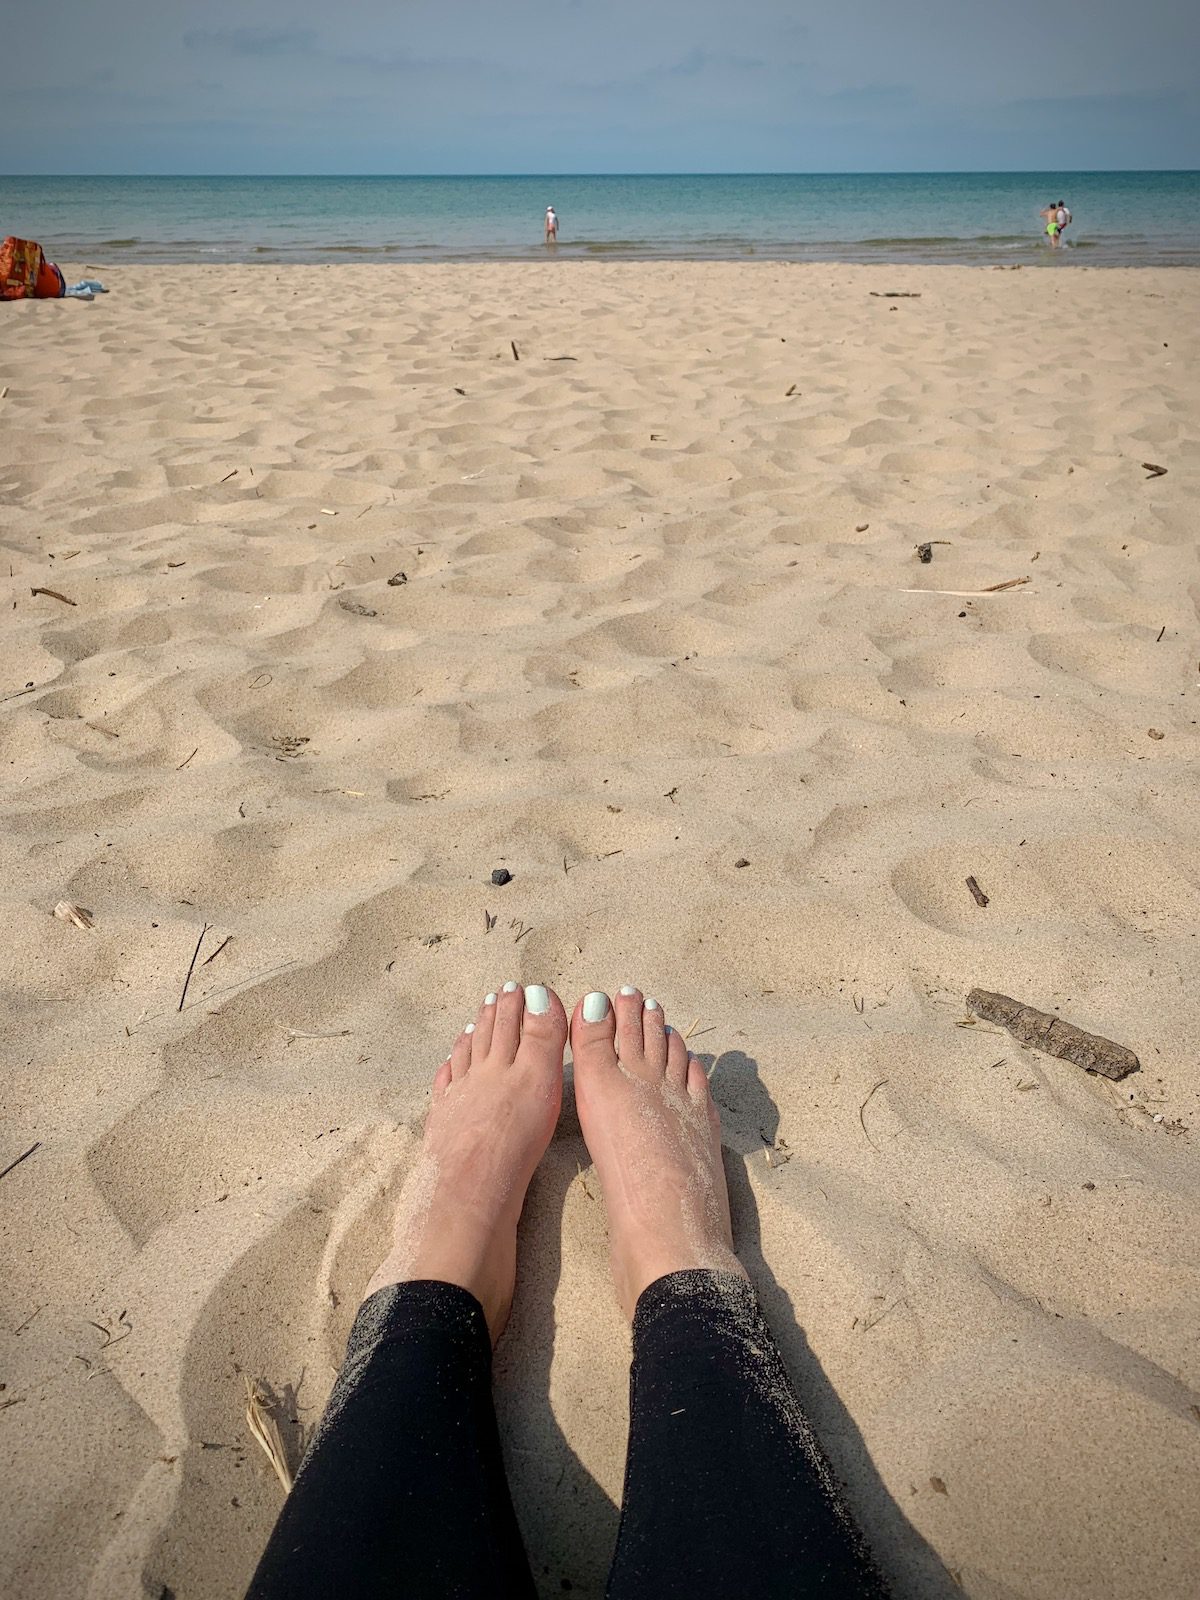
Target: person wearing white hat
(551, 225)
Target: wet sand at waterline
(358, 608)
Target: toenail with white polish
(470, 1028)
(627, 988)
(489, 999)
(537, 1000)
(510, 987)
(595, 1006)
(653, 1005)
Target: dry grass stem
(68, 911)
(265, 1431)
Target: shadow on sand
(749, 1120)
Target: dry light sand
(658, 653)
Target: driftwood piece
(1053, 1035)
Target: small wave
(960, 239)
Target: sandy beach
(330, 590)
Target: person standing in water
(1056, 218)
(551, 225)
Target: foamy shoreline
(655, 619)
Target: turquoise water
(1121, 218)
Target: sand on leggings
(358, 608)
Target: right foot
(494, 1108)
(655, 1136)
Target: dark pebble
(741, 862)
(401, 577)
(501, 876)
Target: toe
(630, 1044)
(677, 1060)
(543, 1025)
(506, 1025)
(697, 1081)
(593, 1026)
(654, 1037)
(460, 1054)
(485, 1019)
(441, 1079)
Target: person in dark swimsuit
(402, 1490)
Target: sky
(565, 86)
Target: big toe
(543, 1025)
(593, 1035)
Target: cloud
(252, 41)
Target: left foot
(494, 1109)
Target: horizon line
(826, 172)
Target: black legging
(402, 1491)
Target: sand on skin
(654, 622)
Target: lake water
(1121, 218)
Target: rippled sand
(652, 646)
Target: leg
(726, 1486)
(402, 1490)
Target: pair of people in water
(1057, 217)
(402, 1489)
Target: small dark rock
(501, 876)
(1089, 1186)
(741, 862)
(401, 577)
(925, 552)
(357, 608)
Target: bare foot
(654, 1134)
(494, 1108)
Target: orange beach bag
(25, 274)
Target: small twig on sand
(967, 594)
(1154, 472)
(515, 351)
(1012, 583)
(24, 1156)
(183, 764)
(228, 939)
(192, 967)
(228, 475)
(864, 1106)
(54, 595)
(981, 899)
